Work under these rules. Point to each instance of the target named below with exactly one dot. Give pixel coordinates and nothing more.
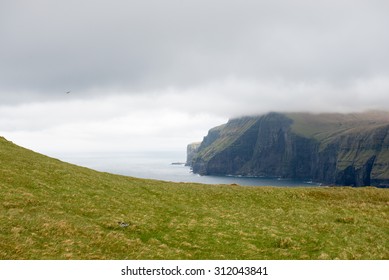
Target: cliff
(341, 149)
(191, 151)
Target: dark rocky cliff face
(346, 150)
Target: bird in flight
(67, 92)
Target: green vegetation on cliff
(53, 210)
(221, 137)
(341, 149)
(327, 125)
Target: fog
(156, 75)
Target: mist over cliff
(338, 149)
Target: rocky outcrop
(191, 151)
(336, 149)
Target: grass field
(53, 210)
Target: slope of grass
(54, 210)
(227, 135)
(327, 125)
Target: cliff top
(325, 125)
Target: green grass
(325, 126)
(228, 134)
(54, 210)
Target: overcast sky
(156, 75)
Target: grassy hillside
(227, 134)
(53, 210)
(326, 125)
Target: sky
(156, 75)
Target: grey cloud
(95, 47)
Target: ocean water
(158, 165)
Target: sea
(168, 166)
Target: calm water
(158, 165)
